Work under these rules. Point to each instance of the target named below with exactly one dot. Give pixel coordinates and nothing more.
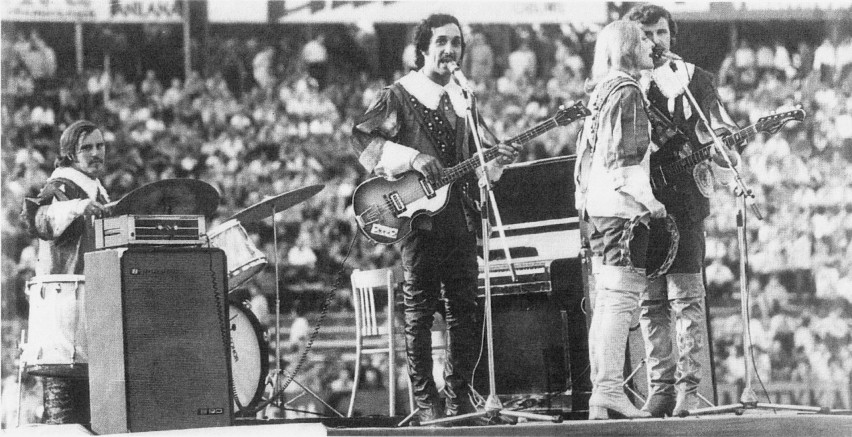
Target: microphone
(458, 75)
(661, 53)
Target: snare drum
(244, 259)
(57, 343)
(249, 357)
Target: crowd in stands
(800, 280)
(260, 118)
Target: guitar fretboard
(454, 173)
(682, 165)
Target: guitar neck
(452, 174)
(704, 153)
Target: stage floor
(751, 423)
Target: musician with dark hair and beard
(678, 132)
(60, 218)
(418, 123)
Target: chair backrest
(364, 284)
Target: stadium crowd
(260, 118)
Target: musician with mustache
(681, 290)
(60, 217)
(418, 124)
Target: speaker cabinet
(158, 339)
(529, 349)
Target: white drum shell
(244, 259)
(57, 325)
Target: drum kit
(56, 345)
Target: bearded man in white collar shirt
(61, 219)
(418, 123)
(60, 214)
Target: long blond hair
(617, 48)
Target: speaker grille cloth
(175, 333)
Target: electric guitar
(668, 169)
(384, 209)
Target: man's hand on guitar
(508, 153)
(428, 166)
(720, 160)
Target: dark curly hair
(423, 35)
(647, 13)
(69, 140)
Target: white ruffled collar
(671, 83)
(429, 93)
(90, 185)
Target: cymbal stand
(748, 398)
(21, 364)
(276, 379)
(277, 390)
(493, 408)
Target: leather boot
(432, 409)
(617, 299)
(660, 403)
(459, 403)
(690, 325)
(656, 332)
(685, 403)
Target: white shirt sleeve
(395, 159)
(60, 214)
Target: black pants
(441, 262)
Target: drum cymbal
(264, 208)
(170, 197)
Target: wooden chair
(364, 285)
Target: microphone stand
(748, 398)
(493, 408)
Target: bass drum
(249, 356)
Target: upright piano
(540, 329)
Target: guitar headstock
(773, 122)
(567, 115)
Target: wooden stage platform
(751, 423)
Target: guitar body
(665, 184)
(386, 208)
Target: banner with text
(115, 11)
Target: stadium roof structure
(760, 10)
(557, 12)
(468, 12)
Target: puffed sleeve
(51, 213)
(632, 135)
(630, 124)
(374, 137)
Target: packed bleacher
(260, 118)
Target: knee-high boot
(597, 262)
(618, 290)
(656, 332)
(690, 326)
